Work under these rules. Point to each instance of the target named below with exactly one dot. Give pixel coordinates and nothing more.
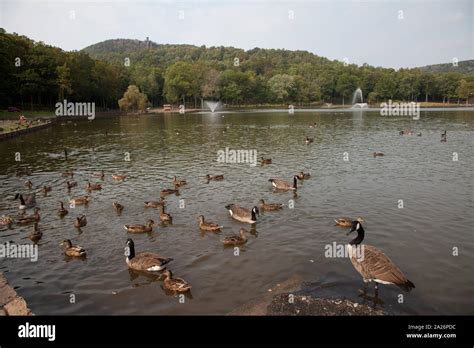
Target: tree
(448, 83)
(64, 81)
(282, 87)
(346, 85)
(180, 81)
(133, 99)
(465, 89)
(386, 87)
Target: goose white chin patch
(231, 213)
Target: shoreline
(10, 302)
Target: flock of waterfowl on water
(373, 266)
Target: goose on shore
(243, 214)
(208, 226)
(175, 284)
(280, 184)
(236, 239)
(27, 201)
(145, 262)
(372, 264)
(73, 250)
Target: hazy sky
(382, 33)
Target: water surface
(437, 194)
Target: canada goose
(236, 239)
(6, 220)
(377, 154)
(145, 262)
(45, 189)
(155, 204)
(265, 160)
(243, 214)
(285, 185)
(83, 200)
(214, 177)
(444, 134)
(36, 235)
(178, 183)
(80, 221)
(140, 228)
(303, 176)
(119, 177)
(347, 222)
(69, 173)
(419, 134)
(312, 125)
(308, 140)
(269, 206)
(73, 250)
(401, 132)
(28, 184)
(71, 184)
(100, 175)
(30, 219)
(118, 207)
(62, 211)
(26, 202)
(208, 226)
(175, 284)
(372, 264)
(166, 192)
(165, 217)
(93, 187)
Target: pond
(416, 201)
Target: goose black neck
(22, 200)
(254, 216)
(131, 251)
(360, 237)
(295, 182)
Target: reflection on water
(437, 194)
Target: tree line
(37, 74)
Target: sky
(386, 33)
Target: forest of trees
(37, 75)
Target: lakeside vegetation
(36, 75)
